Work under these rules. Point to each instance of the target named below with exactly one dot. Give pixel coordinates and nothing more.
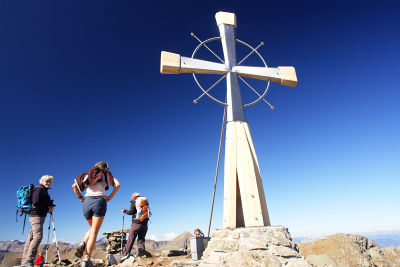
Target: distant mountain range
(12, 246)
(382, 239)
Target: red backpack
(142, 207)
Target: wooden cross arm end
(225, 18)
(288, 76)
(170, 63)
(282, 75)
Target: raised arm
(116, 187)
(132, 209)
(77, 192)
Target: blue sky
(80, 82)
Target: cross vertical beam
(226, 28)
(244, 200)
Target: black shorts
(94, 206)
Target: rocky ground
(260, 248)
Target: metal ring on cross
(215, 99)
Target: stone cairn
(270, 246)
(114, 239)
(255, 246)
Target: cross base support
(255, 246)
(244, 199)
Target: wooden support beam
(260, 186)
(230, 178)
(244, 199)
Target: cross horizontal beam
(172, 63)
(282, 75)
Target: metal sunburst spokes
(206, 91)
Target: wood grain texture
(260, 186)
(230, 177)
(170, 63)
(247, 180)
(244, 199)
(225, 18)
(288, 76)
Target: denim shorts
(94, 206)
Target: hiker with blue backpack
(41, 204)
(95, 181)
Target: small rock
(178, 263)
(223, 245)
(221, 234)
(128, 262)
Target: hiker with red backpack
(140, 216)
(95, 181)
(39, 260)
(41, 204)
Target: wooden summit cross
(244, 199)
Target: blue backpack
(24, 201)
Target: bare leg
(86, 238)
(94, 230)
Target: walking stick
(122, 231)
(48, 239)
(55, 237)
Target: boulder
(343, 250)
(393, 255)
(128, 262)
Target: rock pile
(345, 250)
(114, 240)
(256, 246)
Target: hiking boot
(125, 257)
(143, 253)
(80, 249)
(87, 263)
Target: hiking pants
(138, 230)
(34, 239)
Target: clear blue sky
(80, 82)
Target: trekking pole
(48, 239)
(55, 237)
(122, 231)
(216, 171)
